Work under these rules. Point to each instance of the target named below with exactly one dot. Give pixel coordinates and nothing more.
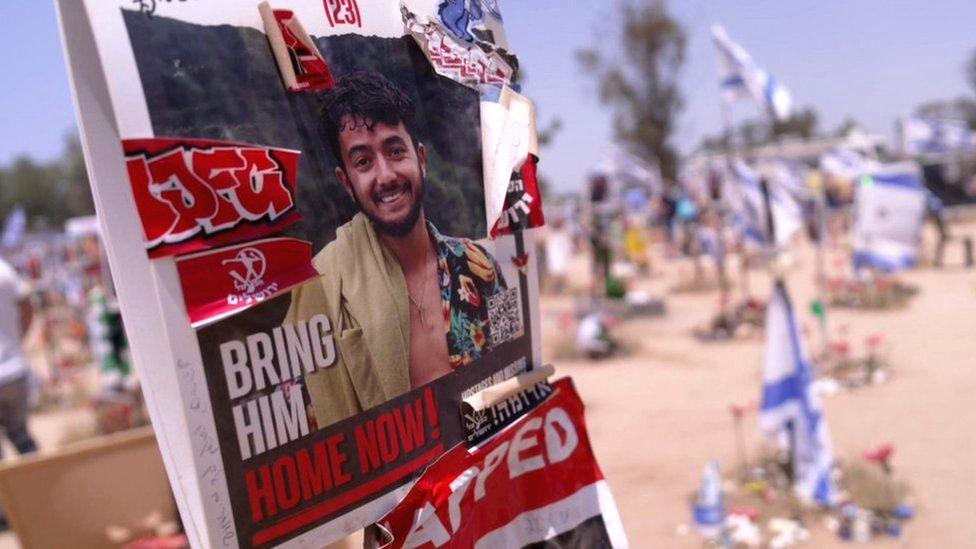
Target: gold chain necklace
(421, 309)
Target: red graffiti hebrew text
(189, 191)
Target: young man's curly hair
(366, 97)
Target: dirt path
(657, 416)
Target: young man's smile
(394, 196)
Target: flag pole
(821, 205)
(726, 109)
(720, 206)
(780, 286)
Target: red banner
(197, 194)
(311, 70)
(523, 201)
(222, 282)
(536, 481)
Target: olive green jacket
(364, 293)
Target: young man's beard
(400, 228)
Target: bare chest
(429, 358)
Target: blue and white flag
(748, 211)
(711, 243)
(740, 77)
(790, 410)
(889, 209)
(935, 136)
(846, 164)
(788, 176)
(14, 227)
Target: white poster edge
(165, 377)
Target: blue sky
(871, 59)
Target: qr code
(505, 315)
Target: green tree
(50, 192)
(802, 124)
(752, 133)
(960, 108)
(848, 125)
(74, 175)
(33, 186)
(641, 84)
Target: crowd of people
(63, 338)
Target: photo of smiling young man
(407, 304)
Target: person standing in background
(559, 254)
(599, 231)
(15, 317)
(14, 368)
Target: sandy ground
(657, 415)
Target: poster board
(203, 161)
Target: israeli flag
(740, 77)
(846, 163)
(790, 410)
(788, 176)
(889, 209)
(934, 136)
(748, 211)
(14, 228)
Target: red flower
(840, 348)
(749, 512)
(739, 410)
(880, 454)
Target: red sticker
(225, 281)
(311, 70)
(523, 202)
(537, 480)
(195, 194)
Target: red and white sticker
(311, 70)
(536, 481)
(219, 283)
(523, 201)
(195, 194)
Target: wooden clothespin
(490, 396)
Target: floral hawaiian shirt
(468, 277)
